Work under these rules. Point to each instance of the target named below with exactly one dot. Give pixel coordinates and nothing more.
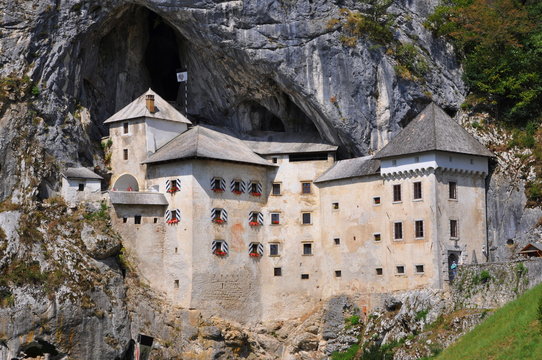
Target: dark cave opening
(162, 58)
(261, 119)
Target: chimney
(149, 99)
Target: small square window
(273, 249)
(276, 189)
(137, 219)
(377, 237)
(275, 160)
(419, 269)
(307, 249)
(155, 220)
(277, 271)
(306, 218)
(417, 190)
(176, 284)
(338, 273)
(400, 269)
(396, 193)
(124, 220)
(176, 250)
(337, 241)
(394, 162)
(376, 200)
(81, 187)
(275, 218)
(379, 271)
(471, 161)
(398, 230)
(125, 154)
(304, 276)
(306, 188)
(335, 206)
(125, 128)
(417, 159)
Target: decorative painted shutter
(178, 184)
(225, 247)
(250, 215)
(260, 249)
(243, 186)
(214, 245)
(168, 185)
(213, 213)
(232, 185)
(224, 215)
(259, 188)
(260, 218)
(223, 184)
(212, 183)
(168, 215)
(177, 214)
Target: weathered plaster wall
(70, 190)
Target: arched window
(255, 218)
(173, 216)
(237, 186)
(172, 186)
(218, 184)
(255, 188)
(219, 248)
(126, 182)
(255, 250)
(219, 216)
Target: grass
(512, 332)
(346, 355)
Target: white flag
(182, 76)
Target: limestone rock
(99, 246)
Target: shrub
(484, 276)
(35, 90)
(353, 320)
(521, 269)
(421, 315)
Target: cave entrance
(259, 117)
(162, 58)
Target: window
(394, 162)
(417, 190)
(338, 273)
(274, 250)
(124, 220)
(219, 216)
(125, 154)
(305, 187)
(173, 216)
(155, 220)
(471, 161)
(396, 193)
(398, 231)
(275, 160)
(419, 269)
(418, 225)
(376, 200)
(277, 271)
(377, 237)
(255, 250)
(304, 276)
(218, 185)
(337, 241)
(306, 218)
(417, 159)
(308, 157)
(452, 190)
(307, 249)
(125, 128)
(275, 218)
(176, 284)
(237, 187)
(255, 188)
(400, 269)
(219, 248)
(173, 185)
(276, 189)
(453, 229)
(137, 219)
(81, 187)
(379, 271)
(255, 218)
(335, 206)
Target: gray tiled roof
(287, 143)
(433, 130)
(356, 167)
(80, 173)
(138, 109)
(202, 142)
(137, 198)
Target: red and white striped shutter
(168, 185)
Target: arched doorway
(126, 182)
(453, 258)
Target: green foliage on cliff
(500, 45)
(512, 332)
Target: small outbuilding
(531, 250)
(80, 184)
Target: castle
(264, 228)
